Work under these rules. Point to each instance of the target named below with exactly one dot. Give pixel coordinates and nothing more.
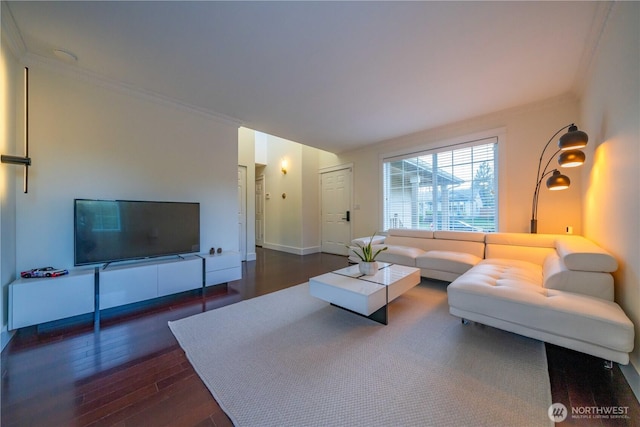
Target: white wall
(310, 209)
(611, 190)
(528, 128)
(283, 216)
(292, 223)
(247, 154)
(10, 102)
(260, 147)
(96, 141)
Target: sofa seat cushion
(453, 262)
(509, 271)
(394, 254)
(515, 294)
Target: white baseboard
(633, 378)
(311, 250)
(251, 256)
(292, 249)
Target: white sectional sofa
(555, 288)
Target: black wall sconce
(26, 160)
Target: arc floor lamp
(569, 146)
(25, 160)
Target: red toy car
(43, 272)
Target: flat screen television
(118, 230)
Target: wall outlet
(569, 229)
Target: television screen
(118, 230)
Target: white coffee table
(368, 296)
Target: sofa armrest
(362, 241)
(579, 253)
(558, 276)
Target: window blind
(448, 188)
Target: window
(452, 188)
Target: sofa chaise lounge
(554, 288)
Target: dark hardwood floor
(132, 372)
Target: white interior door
(336, 207)
(242, 211)
(260, 211)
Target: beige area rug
(289, 359)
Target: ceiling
(333, 75)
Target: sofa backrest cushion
(469, 236)
(405, 232)
(470, 247)
(457, 241)
(413, 238)
(521, 246)
(522, 239)
(579, 253)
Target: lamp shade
(557, 181)
(573, 139)
(571, 158)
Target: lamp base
(534, 226)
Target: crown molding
(14, 40)
(592, 43)
(74, 72)
(10, 31)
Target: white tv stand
(87, 290)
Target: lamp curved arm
(534, 206)
(544, 171)
(545, 149)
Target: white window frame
(451, 144)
